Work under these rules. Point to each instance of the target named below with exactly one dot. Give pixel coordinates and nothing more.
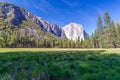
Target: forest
(106, 35)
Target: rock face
(53, 28)
(15, 15)
(74, 31)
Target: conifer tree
(107, 23)
(99, 31)
(118, 35)
(107, 20)
(113, 35)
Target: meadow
(59, 64)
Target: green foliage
(107, 20)
(107, 35)
(5, 77)
(60, 65)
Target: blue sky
(62, 12)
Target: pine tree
(107, 23)
(96, 39)
(77, 43)
(99, 24)
(113, 35)
(107, 20)
(118, 35)
(99, 31)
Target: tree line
(10, 37)
(106, 35)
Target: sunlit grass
(59, 64)
(111, 50)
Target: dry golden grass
(111, 50)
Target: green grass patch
(59, 64)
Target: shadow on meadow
(61, 65)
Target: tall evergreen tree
(107, 20)
(99, 31)
(113, 35)
(99, 24)
(107, 23)
(118, 35)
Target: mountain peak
(74, 25)
(74, 31)
(15, 15)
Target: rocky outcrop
(74, 31)
(53, 28)
(15, 15)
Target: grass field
(59, 64)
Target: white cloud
(100, 11)
(69, 3)
(44, 6)
(40, 8)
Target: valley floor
(57, 49)
(59, 64)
